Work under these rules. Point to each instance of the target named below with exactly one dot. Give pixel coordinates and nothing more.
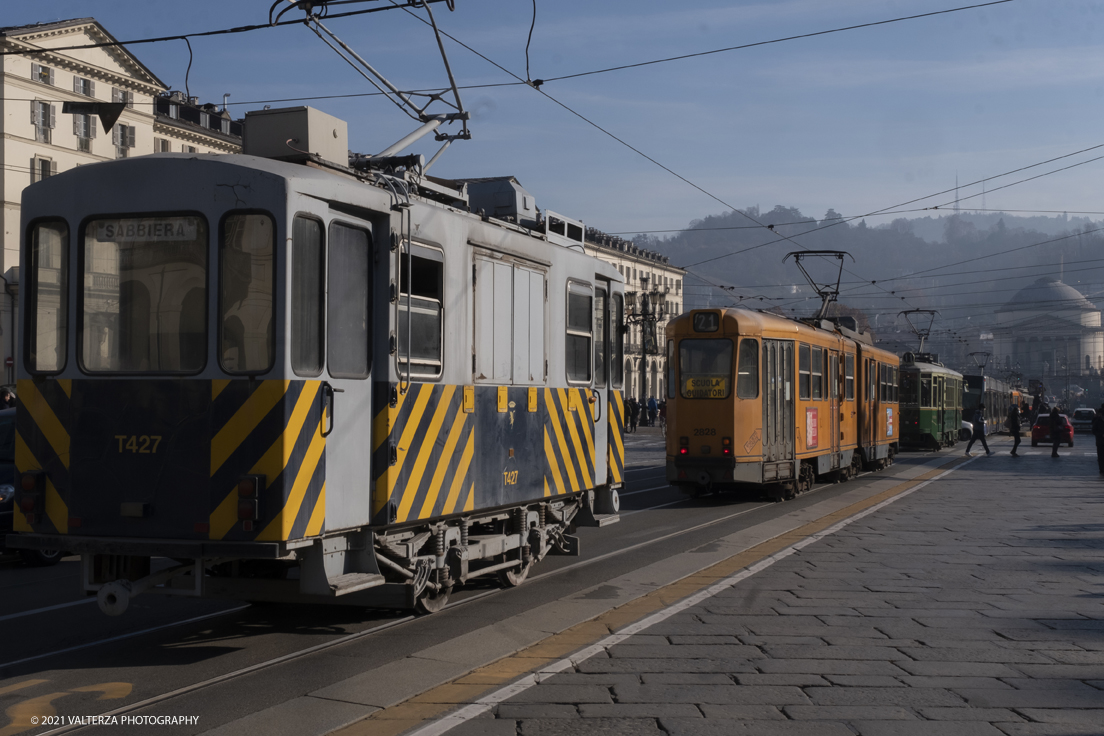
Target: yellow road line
(484, 680)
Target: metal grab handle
(327, 395)
(596, 399)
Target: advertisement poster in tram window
(889, 422)
(811, 439)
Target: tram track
(388, 625)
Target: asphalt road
(221, 660)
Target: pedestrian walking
(1098, 432)
(634, 412)
(979, 431)
(1056, 424)
(653, 409)
(1014, 427)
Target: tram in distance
(931, 402)
(997, 395)
(755, 400)
(306, 382)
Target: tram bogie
(759, 401)
(306, 382)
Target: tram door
(345, 390)
(599, 394)
(871, 410)
(778, 402)
(834, 406)
(938, 396)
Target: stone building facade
(651, 273)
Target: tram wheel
(804, 482)
(432, 601)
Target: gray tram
(307, 382)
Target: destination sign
(706, 387)
(147, 230)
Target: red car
(1041, 431)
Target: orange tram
(755, 400)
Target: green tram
(931, 402)
(997, 395)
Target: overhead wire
(773, 41)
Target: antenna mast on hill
(827, 291)
(917, 327)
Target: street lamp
(646, 315)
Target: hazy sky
(857, 121)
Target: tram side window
(307, 288)
(926, 392)
(246, 287)
(849, 377)
(348, 306)
(423, 283)
(894, 375)
(747, 370)
(144, 295)
(617, 345)
(803, 361)
(579, 325)
(818, 373)
(48, 289)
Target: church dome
(1050, 294)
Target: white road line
(487, 703)
(47, 608)
(123, 636)
(622, 495)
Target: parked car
(1082, 419)
(966, 431)
(1041, 431)
(37, 558)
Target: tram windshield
(144, 295)
(705, 368)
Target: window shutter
(34, 114)
(91, 125)
(115, 93)
(76, 84)
(51, 77)
(129, 99)
(53, 168)
(131, 131)
(34, 169)
(78, 126)
(115, 134)
(36, 70)
(53, 121)
(91, 89)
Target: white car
(1082, 419)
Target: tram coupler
(114, 597)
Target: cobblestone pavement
(972, 606)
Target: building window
(161, 145)
(43, 74)
(84, 86)
(43, 119)
(84, 128)
(123, 136)
(122, 95)
(188, 149)
(42, 168)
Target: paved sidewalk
(975, 605)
